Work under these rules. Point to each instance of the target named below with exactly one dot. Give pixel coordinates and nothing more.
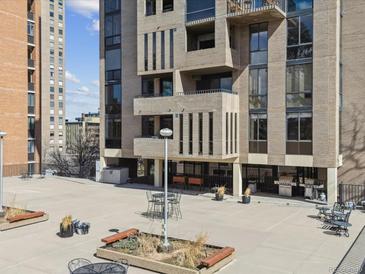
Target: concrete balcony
(246, 11)
(153, 147)
(187, 102)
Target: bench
(196, 182)
(25, 216)
(179, 180)
(120, 236)
(217, 257)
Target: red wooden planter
(119, 236)
(217, 257)
(25, 216)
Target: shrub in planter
(246, 198)
(219, 194)
(66, 227)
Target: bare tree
(80, 158)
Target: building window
(166, 86)
(258, 44)
(51, 120)
(113, 131)
(112, 59)
(148, 87)
(31, 103)
(258, 88)
(150, 7)
(298, 5)
(235, 133)
(227, 132)
(299, 133)
(232, 36)
(190, 133)
(30, 150)
(210, 133)
(299, 86)
(146, 52)
(113, 99)
(200, 133)
(111, 5)
(112, 29)
(181, 138)
(167, 5)
(60, 120)
(31, 127)
(258, 133)
(60, 90)
(148, 126)
(231, 125)
(162, 49)
(172, 48)
(154, 42)
(196, 10)
(300, 37)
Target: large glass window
(112, 29)
(31, 127)
(148, 126)
(181, 137)
(162, 49)
(196, 10)
(211, 133)
(299, 85)
(190, 133)
(113, 131)
(154, 49)
(148, 87)
(31, 149)
(172, 48)
(167, 5)
(258, 133)
(221, 81)
(111, 5)
(258, 88)
(297, 5)
(31, 103)
(299, 133)
(112, 59)
(145, 51)
(150, 7)
(300, 37)
(113, 99)
(258, 44)
(166, 86)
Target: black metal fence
(351, 193)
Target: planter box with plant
(66, 227)
(219, 193)
(246, 198)
(185, 257)
(17, 217)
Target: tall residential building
(53, 77)
(261, 93)
(23, 69)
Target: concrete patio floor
(269, 237)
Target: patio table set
(156, 204)
(336, 218)
(84, 266)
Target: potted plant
(219, 194)
(66, 227)
(246, 198)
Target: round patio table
(161, 195)
(101, 268)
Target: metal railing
(205, 91)
(351, 193)
(30, 63)
(30, 15)
(200, 14)
(247, 6)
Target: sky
(82, 57)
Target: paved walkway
(269, 237)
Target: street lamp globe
(166, 132)
(2, 134)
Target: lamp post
(2, 135)
(165, 132)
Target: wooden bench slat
(119, 236)
(25, 216)
(217, 257)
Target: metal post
(2, 135)
(166, 243)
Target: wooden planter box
(28, 218)
(222, 257)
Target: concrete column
(331, 185)
(158, 173)
(237, 179)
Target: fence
(351, 193)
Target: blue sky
(82, 57)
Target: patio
(268, 235)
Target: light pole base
(165, 248)
(2, 214)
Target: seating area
(336, 218)
(156, 205)
(84, 266)
(188, 182)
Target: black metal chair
(150, 201)
(77, 263)
(174, 205)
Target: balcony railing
(30, 63)
(30, 16)
(30, 39)
(200, 14)
(31, 86)
(206, 91)
(248, 6)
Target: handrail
(205, 91)
(245, 6)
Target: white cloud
(71, 77)
(84, 7)
(94, 27)
(96, 83)
(81, 91)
